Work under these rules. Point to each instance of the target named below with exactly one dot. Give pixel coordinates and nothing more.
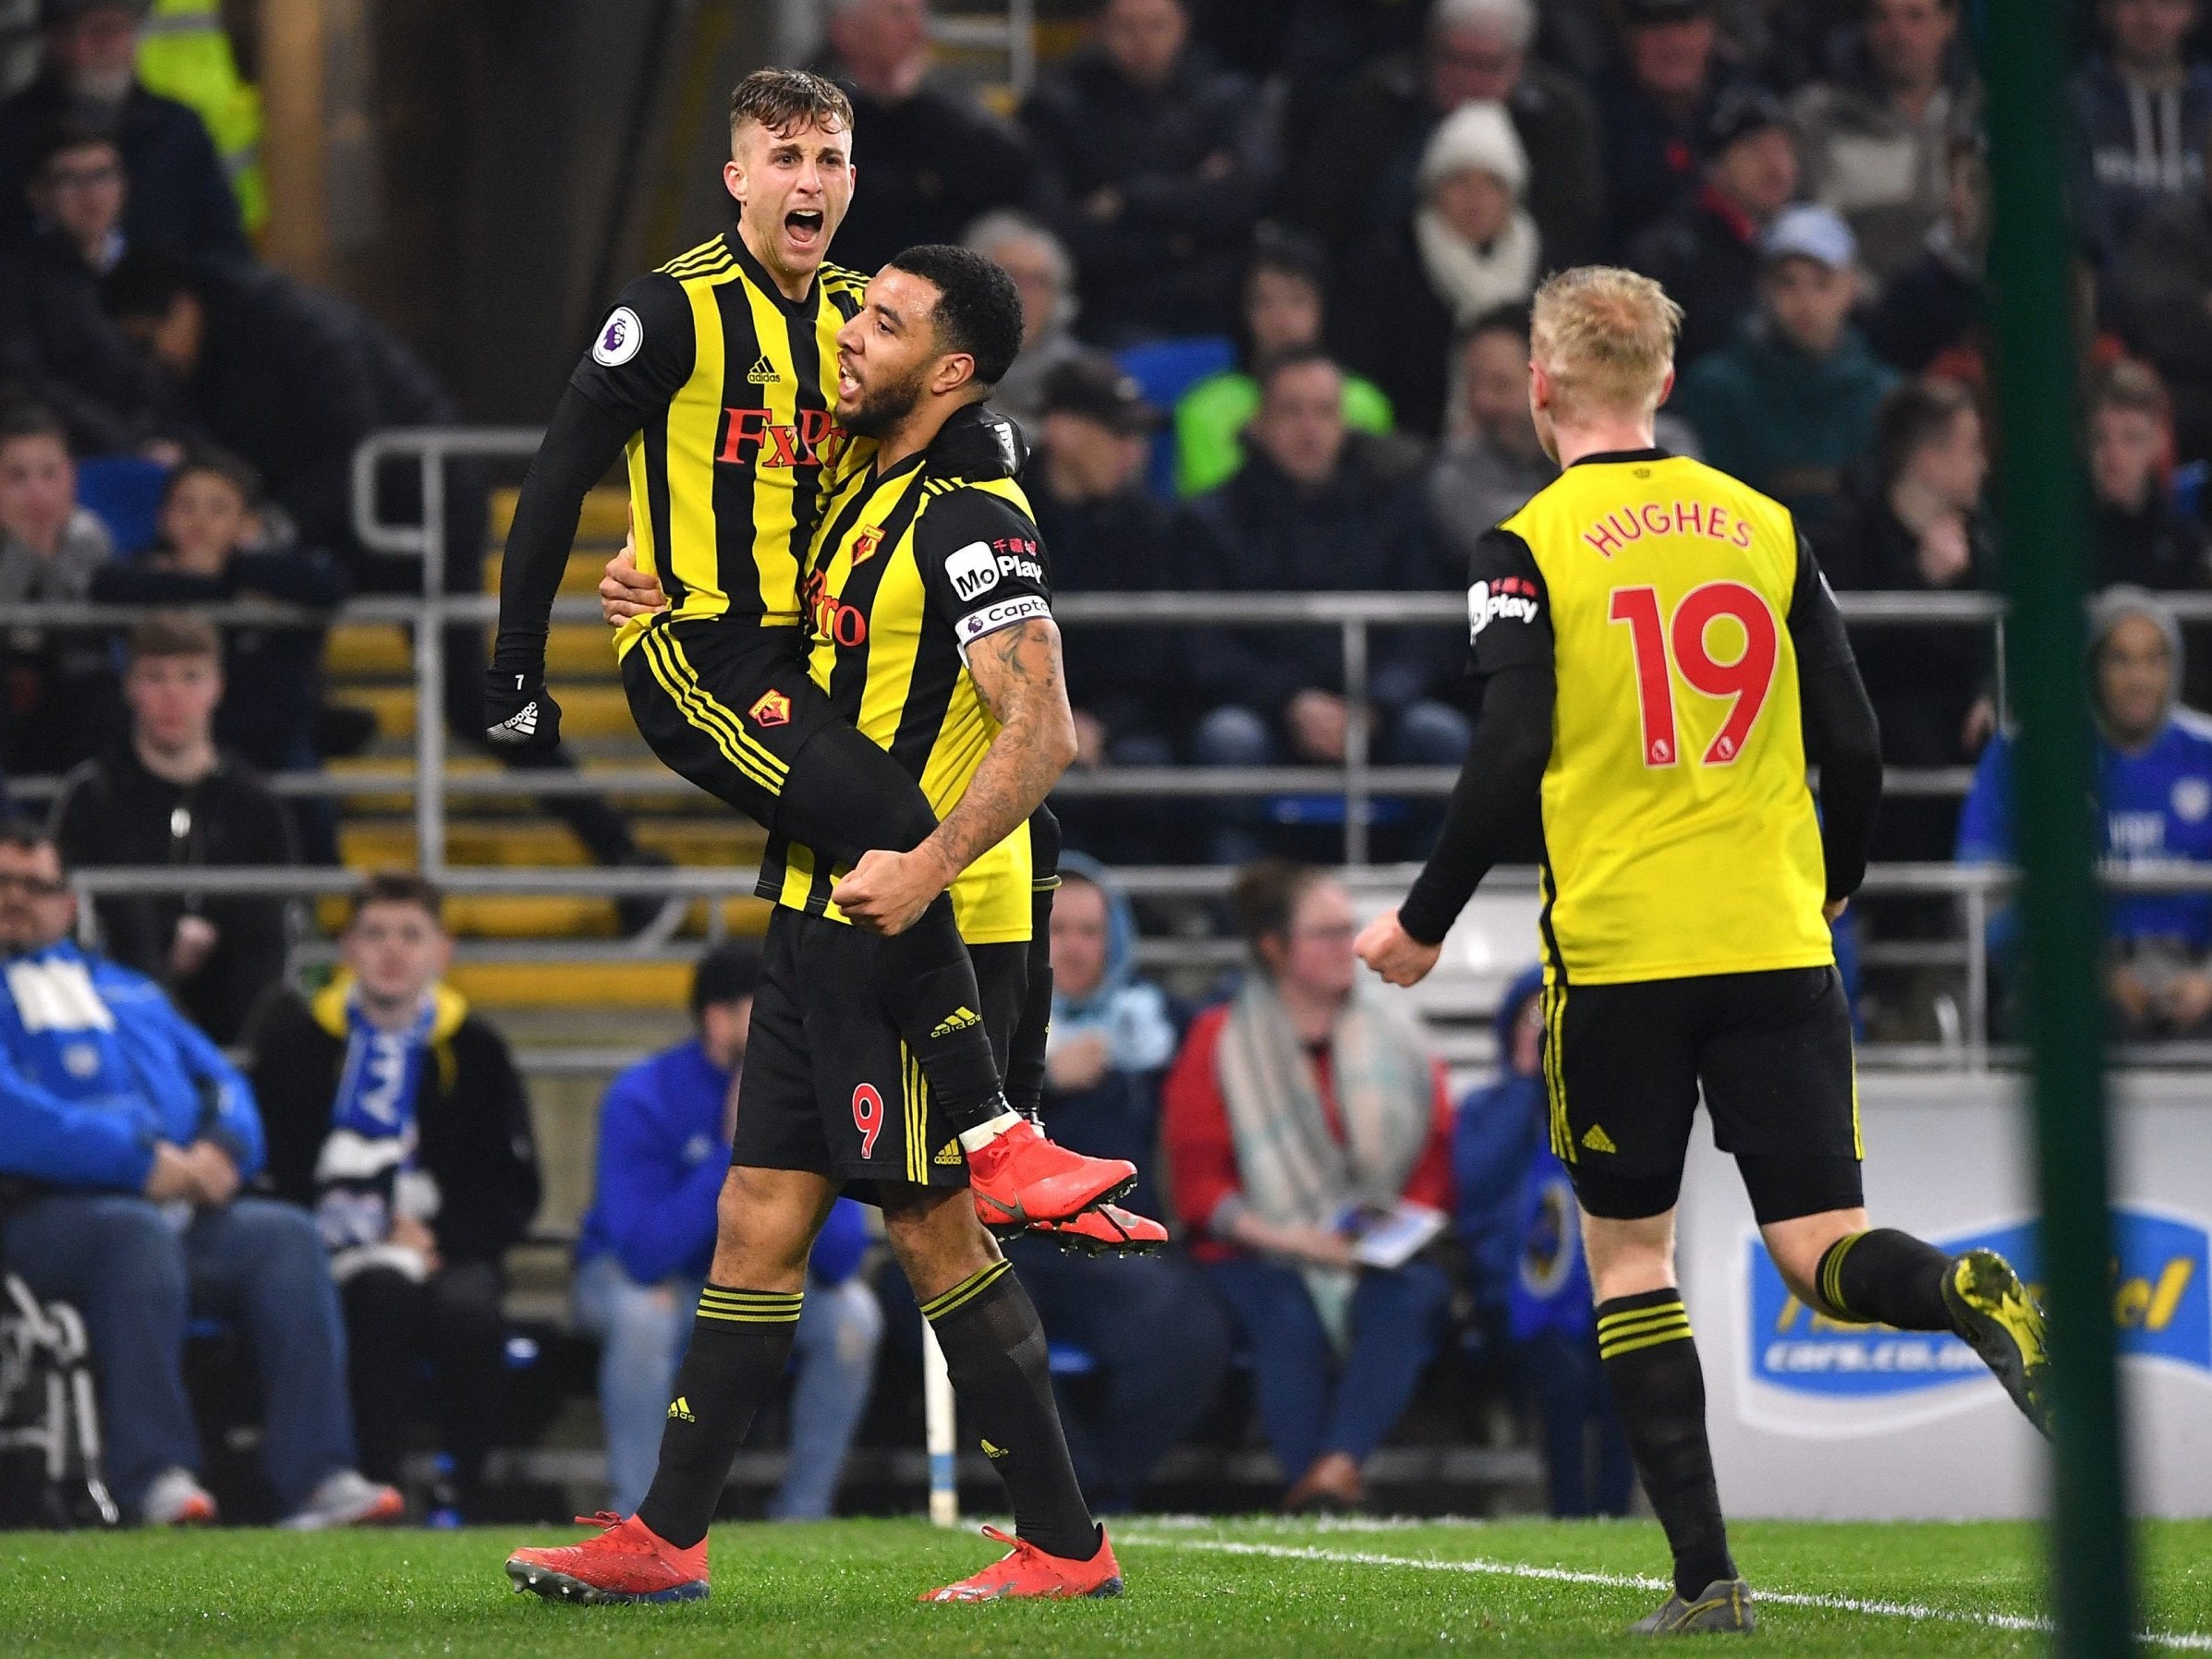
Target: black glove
(519, 711)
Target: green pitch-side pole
(2039, 492)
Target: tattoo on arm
(1017, 674)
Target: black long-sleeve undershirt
(1843, 739)
(583, 440)
(1498, 789)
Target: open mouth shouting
(805, 229)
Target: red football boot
(629, 1562)
(1107, 1231)
(1021, 1178)
(1030, 1574)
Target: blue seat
(125, 492)
(1328, 811)
(1166, 369)
(2189, 488)
(1069, 1359)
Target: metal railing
(1358, 782)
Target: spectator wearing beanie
(1473, 51)
(1469, 248)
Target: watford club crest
(773, 709)
(866, 543)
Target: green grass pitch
(1196, 1591)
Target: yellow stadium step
(368, 800)
(661, 985)
(585, 710)
(551, 917)
(374, 651)
(605, 516)
(579, 577)
(724, 843)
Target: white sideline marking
(2190, 1640)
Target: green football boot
(1724, 1605)
(1993, 1313)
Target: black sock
(927, 985)
(1651, 1362)
(1885, 1278)
(994, 1347)
(1026, 1056)
(740, 1343)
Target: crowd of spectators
(1275, 283)
(1305, 243)
(140, 337)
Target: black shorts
(731, 707)
(1624, 1064)
(828, 1085)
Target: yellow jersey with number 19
(1679, 830)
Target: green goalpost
(2032, 316)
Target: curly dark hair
(978, 310)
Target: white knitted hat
(1477, 137)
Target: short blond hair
(1606, 338)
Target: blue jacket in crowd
(2155, 803)
(97, 1066)
(1498, 1128)
(663, 1157)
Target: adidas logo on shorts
(948, 1153)
(1597, 1140)
(960, 1019)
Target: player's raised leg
(741, 1342)
(1880, 1276)
(1651, 1362)
(994, 1347)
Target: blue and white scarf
(365, 1174)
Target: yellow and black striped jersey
(912, 565)
(1679, 832)
(731, 388)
